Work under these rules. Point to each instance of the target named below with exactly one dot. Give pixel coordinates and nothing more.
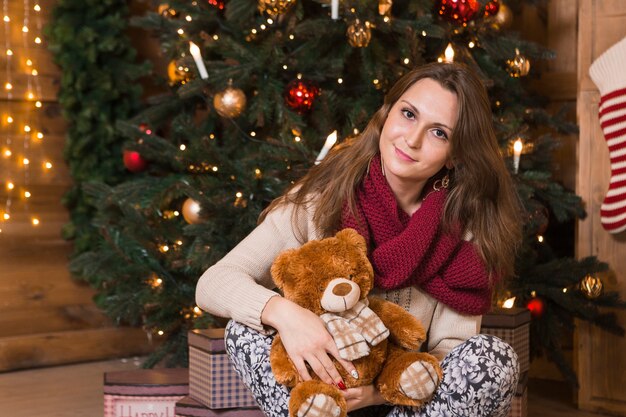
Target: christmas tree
(257, 90)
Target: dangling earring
(382, 166)
(442, 182)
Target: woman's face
(414, 142)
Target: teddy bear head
(328, 275)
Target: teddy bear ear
(279, 267)
(352, 237)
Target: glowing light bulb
(6, 216)
(36, 8)
(197, 310)
(25, 29)
(339, 80)
(30, 95)
(29, 62)
(160, 333)
(47, 165)
(7, 153)
(509, 303)
(34, 72)
(37, 39)
(448, 53)
(215, 37)
(180, 31)
(10, 185)
(27, 194)
(27, 128)
(35, 221)
(540, 238)
(38, 104)
(7, 18)
(9, 119)
(238, 194)
(8, 86)
(25, 161)
(182, 147)
(9, 52)
(214, 169)
(39, 135)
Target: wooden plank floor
(76, 391)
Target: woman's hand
(306, 340)
(364, 396)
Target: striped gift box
(144, 392)
(212, 380)
(513, 326)
(519, 405)
(188, 407)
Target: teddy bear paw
(419, 380)
(319, 405)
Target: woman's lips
(404, 156)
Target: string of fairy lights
(22, 104)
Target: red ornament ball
(145, 128)
(458, 11)
(536, 307)
(219, 4)
(134, 162)
(491, 8)
(300, 95)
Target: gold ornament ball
(384, 7)
(519, 66)
(176, 73)
(230, 103)
(359, 34)
(191, 211)
(275, 7)
(504, 18)
(591, 286)
(166, 11)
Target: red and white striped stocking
(608, 71)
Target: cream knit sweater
(240, 284)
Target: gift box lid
(208, 340)
(506, 317)
(147, 382)
(188, 407)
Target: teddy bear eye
(350, 276)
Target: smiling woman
(414, 142)
(426, 187)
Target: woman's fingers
(325, 369)
(302, 370)
(347, 365)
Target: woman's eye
(408, 114)
(440, 134)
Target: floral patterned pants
(479, 378)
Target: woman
(426, 185)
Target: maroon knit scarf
(413, 250)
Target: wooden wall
(46, 317)
(601, 356)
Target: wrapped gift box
(519, 405)
(188, 407)
(212, 379)
(144, 392)
(513, 326)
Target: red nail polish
(341, 385)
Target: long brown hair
(481, 194)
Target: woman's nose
(414, 139)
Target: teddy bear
(332, 277)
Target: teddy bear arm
(282, 367)
(404, 329)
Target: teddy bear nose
(342, 289)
